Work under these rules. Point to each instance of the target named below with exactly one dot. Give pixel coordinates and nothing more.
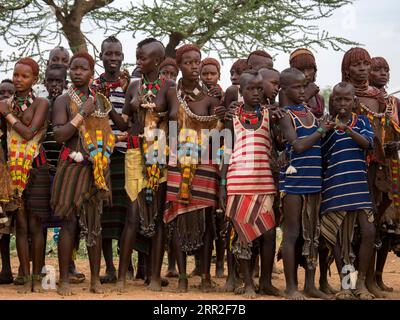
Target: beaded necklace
(299, 110)
(249, 117)
(351, 123)
(195, 95)
(80, 98)
(20, 104)
(149, 90)
(105, 87)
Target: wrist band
(77, 121)
(348, 130)
(11, 119)
(222, 182)
(321, 131)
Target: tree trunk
(174, 39)
(75, 37)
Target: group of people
(166, 165)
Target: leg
(6, 276)
(249, 290)
(365, 256)
(127, 239)
(65, 247)
(94, 253)
(36, 232)
(158, 242)
(171, 273)
(380, 263)
(23, 249)
(292, 205)
(141, 270)
(219, 245)
(323, 251)
(230, 283)
(181, 261)
(205, 253)
(196, 270)
(110, 276)
(267, 254)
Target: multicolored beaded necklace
(79, 97)
(299, 110)
(152, 87)
(249, 117)
(351, 123)
(105, 87)
(22, 103)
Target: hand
(3, 108)
(215, 92)
(283, 161)
(311, 90)
(222, 197)
(231, 110)
(219, 111)
(277, 114)
(341, 126)
(89, 107)
(326, 123)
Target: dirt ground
(137, 290)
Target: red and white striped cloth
(250, 184)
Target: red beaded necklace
(249, 117)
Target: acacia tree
(30, 24)
(232, 27)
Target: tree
(27, 25)
(232, 27)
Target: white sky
(375, 24)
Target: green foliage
(231, 27)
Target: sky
(374, 24)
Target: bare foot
(294, 295)
(109, 277)
(219, 270)
(172, 274)
(120, 286)
(375, 290)
(37, 286)
(268, 289)
(25, 288)
(155, 285)
(345, 294)
(229, 285)
(64, 289)
(206, 285)
(326, 288)
(183, 285)
(315, 293)
(95, 287)
(383, 286)
(6, 277)
(249, 292)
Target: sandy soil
(137, 290)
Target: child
(345, 192)
(248, 184)
(300, 183)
